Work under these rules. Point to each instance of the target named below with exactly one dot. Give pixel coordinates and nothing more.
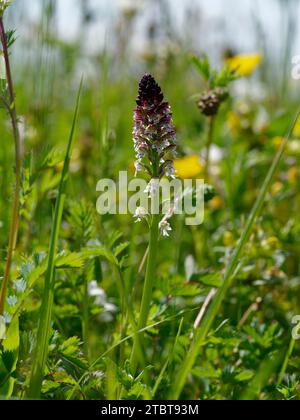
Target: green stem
(215, 307)
(85, 319)
(209, 142)
(18, 157)
(286, 361)
(148, 290)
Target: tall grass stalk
(201, 335)
(11, 108)
(44, 329)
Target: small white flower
(153, 187)
(95, 291)
(20, 286)
(110, 307)
(138, 167)
(216, 154)
(7, 318)
(162, 146)
(170, 170)
(12, 301)
(2, 328)
(140, 214)
(97, 374)
(165, 228)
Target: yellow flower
(277, 141)
(270, 244)
(244, 64)
(188, 167)
(216, 203)
(228, 239)
(276, 188)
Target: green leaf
(12, 340)
(121, 248)
(244, 376)
(203, 66)
(211, 280)
(73, 260)
(9, 360)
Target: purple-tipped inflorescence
(154, 132)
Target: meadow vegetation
(107, 307)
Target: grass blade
(207, 323)
(41, 351)
(265, 372)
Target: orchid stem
(148, 290)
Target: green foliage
(215, 78)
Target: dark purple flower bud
(149, 92)
(154, 132)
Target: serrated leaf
(72, 260)
(211, 280)
(9, 360)
(189, 290)
(203, 66)
(12, 340)
(121, 248)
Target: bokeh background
(113, 43)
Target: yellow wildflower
(277, 187)
(188, 167)
(270, 244)
(228, 239)
(216, 203)
(277, 141)
(244, 64)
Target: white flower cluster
(165, 228)
(140, 214)
(94, 291)
(153, 187)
